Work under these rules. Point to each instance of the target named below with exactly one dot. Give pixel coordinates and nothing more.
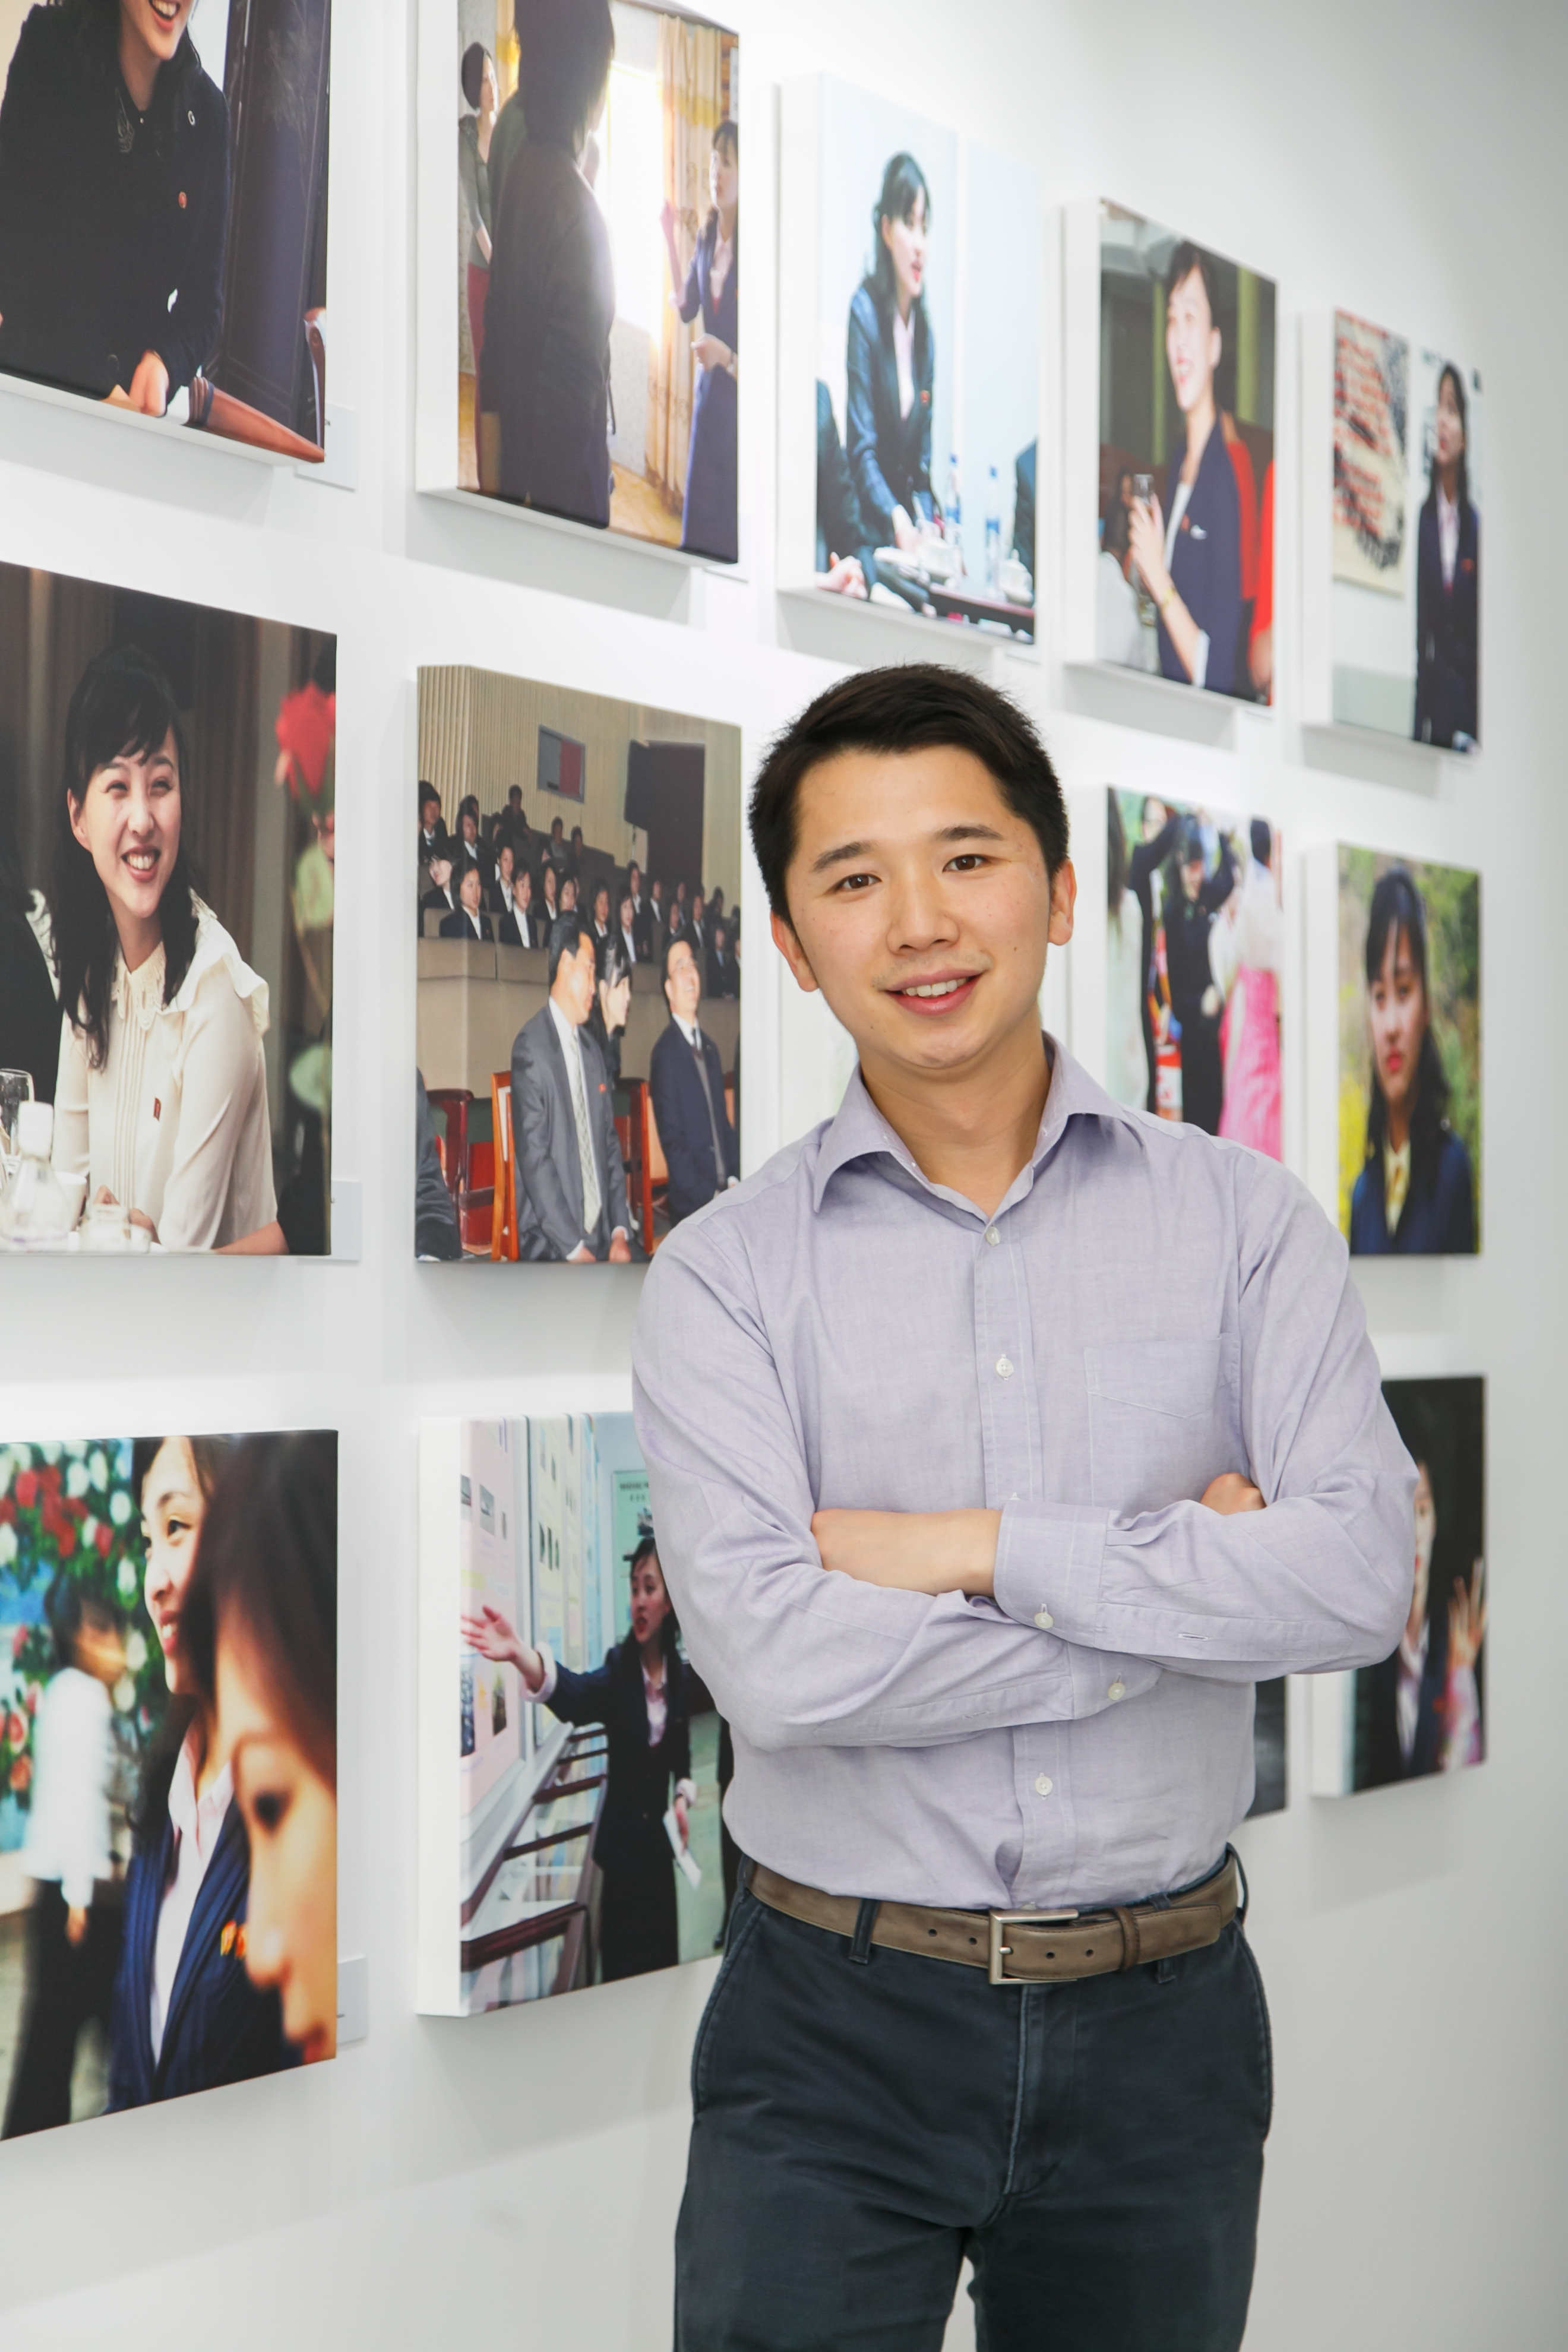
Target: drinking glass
(16, 1088)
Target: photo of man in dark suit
(467, 922)
(642, 912)
(686, 1080)
(432, 826)
(571, 1183)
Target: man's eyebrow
(846, 850)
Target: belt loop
(1243, 1895)
(860, 1942)
(1131, 1938)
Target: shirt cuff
(1050, 1563)
(546, 1690)
(687, 1789)
(76, 1893)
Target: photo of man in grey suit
(570, 1184)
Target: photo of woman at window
(1190, 557)
(161, 1100)
(1414, 1195)
(641, 1697)
(544, 371)
(712, 286)
(114, 187)
(186, 2015)
(892, 360)
(1447, 584)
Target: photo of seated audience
(596, 323)
(589, 1757)
(167, 881)
(1195, 952)
(1410, 1061)
(164, 211)
(579, 1009)
(1185, 504)
(168, 1745)
(924, 491)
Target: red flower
(26, 1488)
(21, 1773)
(8, 1508)
(18, 1641)
(16, 1730)
(50, 1477)
(31, 1701)
(104, 1539)
(65, 1536)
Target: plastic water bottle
(35, 1206)
(993, 534)
(952, 508)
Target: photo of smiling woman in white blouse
(161, 1103)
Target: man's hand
(150, 386)
(620, 1250)
(914, 1551)
(1231, 1492)
(76, 1926)
(581, 1255)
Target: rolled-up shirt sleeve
(795, 1655)
(1318, 1581)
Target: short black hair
(514, 793)
(428, 793)
(1188, 258)
(908, 706)
(67, 1607)
(1262, 842)
(476, 57)
(566, 933)
(564, 49)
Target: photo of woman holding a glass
(1189, 556)
(160, 1105)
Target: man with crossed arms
(1000, 1439)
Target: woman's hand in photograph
(1147, 528)
(493, 1636)
(668, 217)
(843, 576)
(710, 351)
(906, 538)
(1466, 1619)
(150, 386)
(77, 1925)
(683, 1819)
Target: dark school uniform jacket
(111, 229)
(219, 2027)
(1205, 563)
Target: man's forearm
(917, 1551)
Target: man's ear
(794, 954)
(1064, 898)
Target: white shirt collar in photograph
(1447, 533)
(689, 1030)
(904, 354)
(197, 1825)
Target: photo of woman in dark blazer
(1447, 584)
(1414, 1196)
(545, 372)
(1190, 553)
(711, 285)
(641, 1696)
(891, 364)
(185, 2016)
(115, 184)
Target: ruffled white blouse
(176, 1122)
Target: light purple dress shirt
(1147, 1308)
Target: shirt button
(1042, 1786)
(1004, 1369)
(1044, 1620)
(1117, 1690)
(993, 1236)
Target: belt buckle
(1000, 1951)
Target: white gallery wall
(514, 2179)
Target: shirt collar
(563, 1029)
(191, 1815)
(860, 1132)
(693, 1034)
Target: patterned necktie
(591, 1200)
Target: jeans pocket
(743, 1926)
(1264, 2032)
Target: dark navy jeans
(862, 2124)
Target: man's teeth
(933, 987)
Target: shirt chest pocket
(1162, 1422)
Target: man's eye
(969, 861)
(856, 881)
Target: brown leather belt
(1024, 1946)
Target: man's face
(910, 873)
(634, 880)
(428, 815)
(682, 983)
(627, 912)
(573, 988)
(697, 907)
(468, 889)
